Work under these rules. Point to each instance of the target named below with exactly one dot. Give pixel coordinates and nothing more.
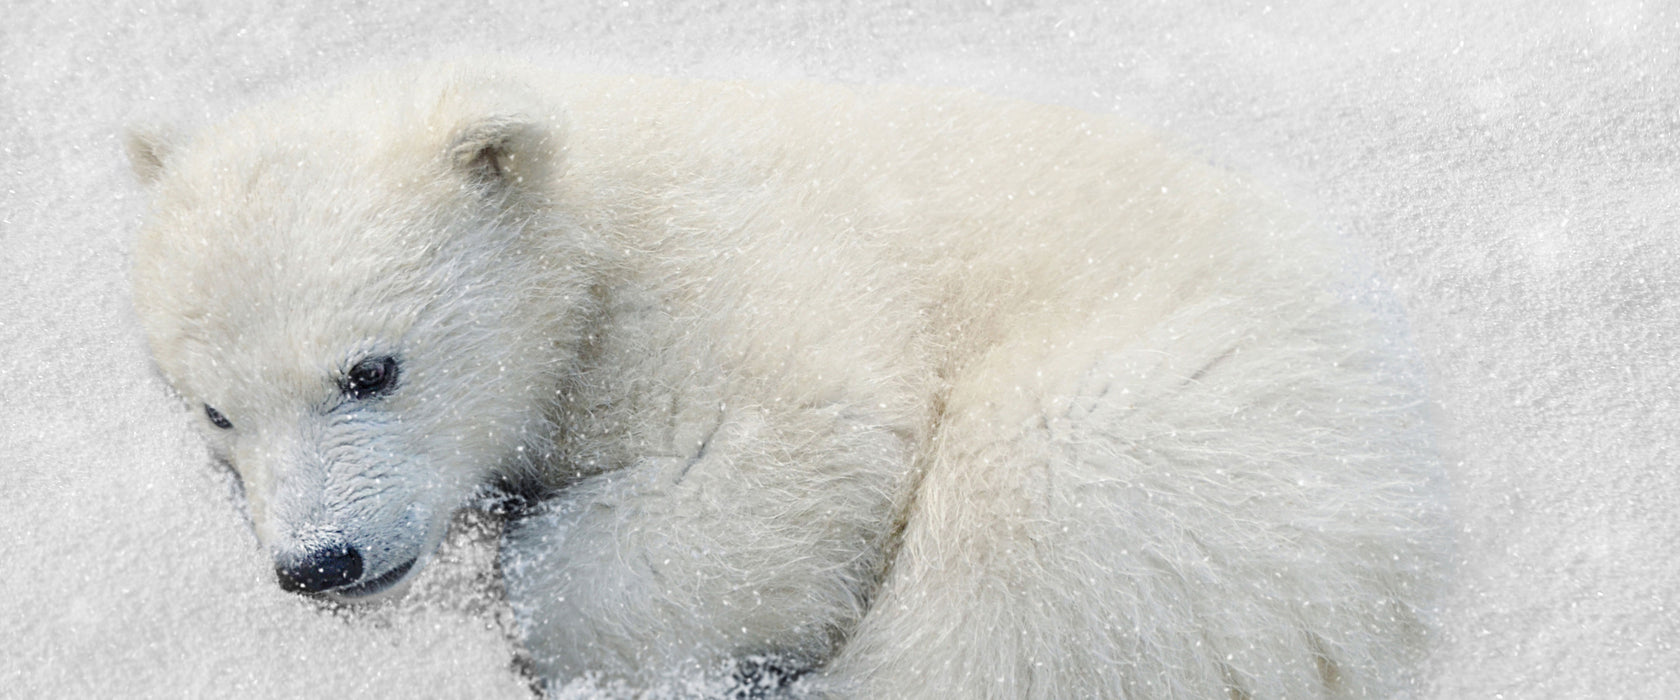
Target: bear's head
(349, 290)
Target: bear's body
(938, 395)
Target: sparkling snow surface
(1509, 170)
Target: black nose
(321, 569)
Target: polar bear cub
(921, 394)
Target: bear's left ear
(510, 151)
(149, 147)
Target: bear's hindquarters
(1216, 506)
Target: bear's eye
(371, 377)
(216, 418)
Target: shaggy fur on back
(935, 394)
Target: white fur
(941, 395)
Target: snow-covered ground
(1508, 168)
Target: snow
(1507, 168)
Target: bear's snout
(321, 569)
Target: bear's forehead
(252, 232)
(268, 271)
(275, 301)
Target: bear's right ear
(507, 151)
(149, 147)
